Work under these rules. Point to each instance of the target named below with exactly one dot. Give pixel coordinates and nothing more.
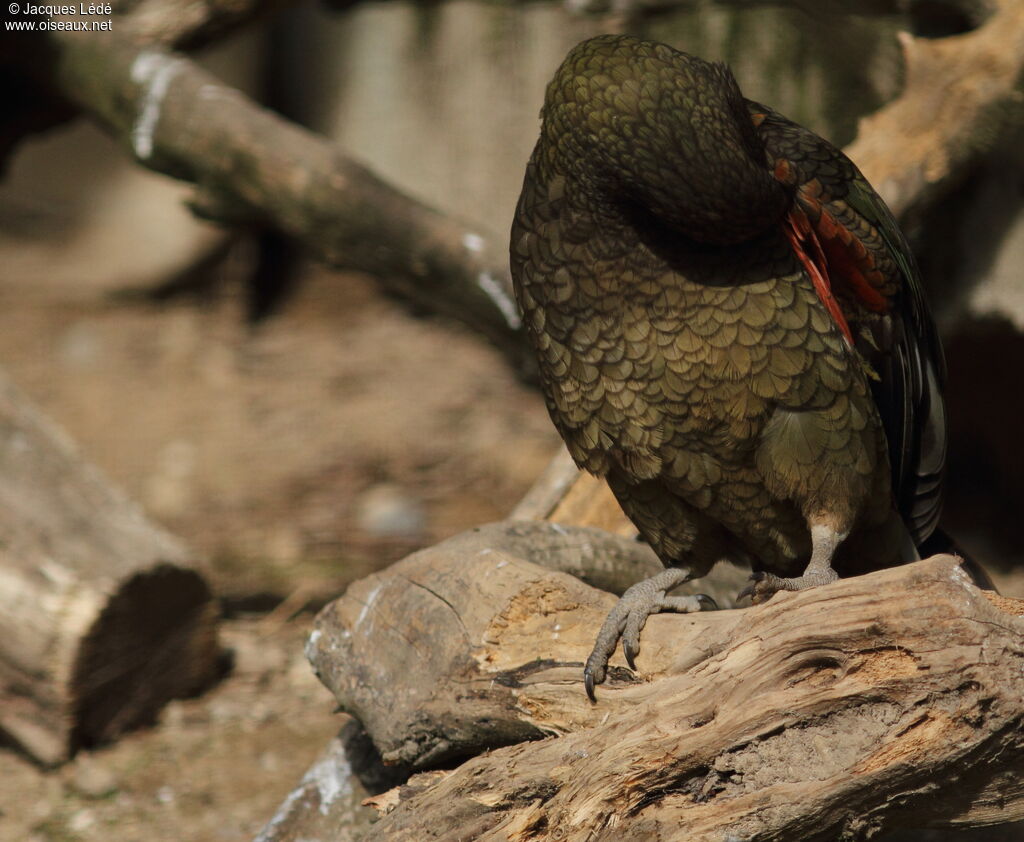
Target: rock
(387, 511)
(91, 779)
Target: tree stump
(102, 616)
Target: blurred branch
(189, 24)
(961, 95)
(32, 105)
(249, 163)
(185, 24)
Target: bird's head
(642, 126)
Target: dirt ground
(213, 768)
(295, 455)
(302, 451)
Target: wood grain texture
(877, 702)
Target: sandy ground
(296, 456)
(299, 452)
(213, 768)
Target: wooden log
(565, 494)
(876, 702)
(102, 616)
(430, 655)
(606, 561)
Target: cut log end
(155, 640)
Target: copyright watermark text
(51, 17)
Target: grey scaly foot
(626, 620)
(765, 585)
(824, 541)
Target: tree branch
(188, 24)
(247, 161)
(962, 94)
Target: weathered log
(565, 494)
(877, 702)
(103, 618)
(428, 654)
(600, 558)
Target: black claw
(706, 602)
(588, 682)
(630, 654)
(755, 577)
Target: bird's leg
(626, 620)
(824, 542)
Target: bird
(730, 329)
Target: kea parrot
(730, 329)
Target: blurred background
(299, 427)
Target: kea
(730, 329)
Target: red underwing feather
(847, 261)
(807, 247)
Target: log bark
(401, 650)
(103, 618)
(877, 702)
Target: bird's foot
(626, 620)
(764, 585)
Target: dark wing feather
(875, 279)
(913, 374)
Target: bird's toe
(763, 586)
(626, 622)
